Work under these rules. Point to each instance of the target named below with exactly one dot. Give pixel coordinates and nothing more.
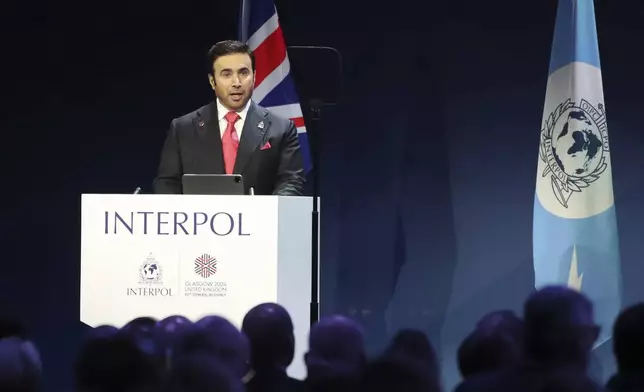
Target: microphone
(137, 190)
(326, 86)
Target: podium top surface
(151, 195)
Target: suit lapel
(206, 125)
(255, 128)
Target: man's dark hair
(224, 48)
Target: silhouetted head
(505, 320)
(113, 361)
(495, 344)
(216, 336)
(167, 334)
(140, 324)
(168, 331)
(20, 365)
(628, 340)
(269, 329)
(414, 346)
(172, 325)
(141, 330)
(202, 373)
(102, 331)
(336, 348)
(559, 327)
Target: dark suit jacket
(193, 146)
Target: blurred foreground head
(269, 329)
(113, 360)
(628, 340)
(216, 336)
(496, 343)
(336, 348)
(20, 366)
(167, 335)
(559, 327)
(202, 373)
(414, 346)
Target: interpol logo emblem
(574, 147)
(150, 271)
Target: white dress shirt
(239, 124)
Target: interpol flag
(575, 239)
(274, 86)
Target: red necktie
(230, 142)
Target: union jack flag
(274, 87)
(205, 265)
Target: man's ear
(211, 80)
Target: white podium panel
(192, 255)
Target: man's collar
(222, 110)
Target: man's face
(233, 80)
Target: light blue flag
(575, 240)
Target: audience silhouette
(545, 349)
(270, 333)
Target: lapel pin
(201, 124)
(260, 125)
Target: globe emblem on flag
(205, 266)
(577, 144)
(150, 272)
(574, 147)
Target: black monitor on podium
(213, 184)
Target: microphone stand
(315, 108)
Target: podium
(194, 255)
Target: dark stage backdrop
(428, 165)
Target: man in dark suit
(233, 134)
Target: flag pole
(244, 13)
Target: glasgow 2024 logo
(205, 265)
